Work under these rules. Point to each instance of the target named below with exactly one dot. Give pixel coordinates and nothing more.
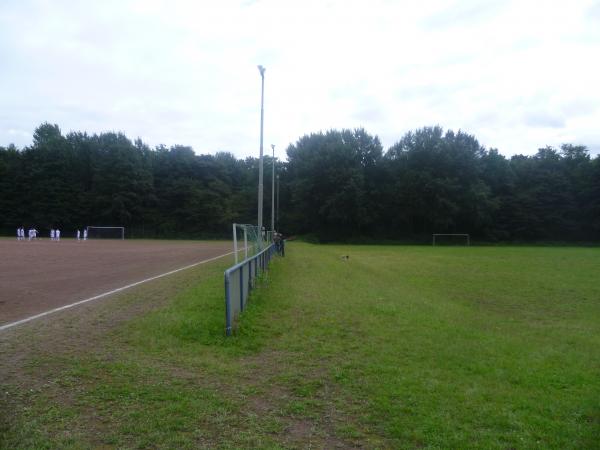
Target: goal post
(452, 237)
(95, 232)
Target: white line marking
(96, 297)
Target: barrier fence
(239, 282)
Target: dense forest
(335, 185)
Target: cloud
(369, 114)
(516, 75)
(543, 119)
(576, 107)
(593, 12)
(462, 13)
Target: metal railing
(239, 282)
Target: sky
(518, 75)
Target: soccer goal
(246, 238)
(451, 239)
(94, 232)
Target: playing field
(391, 347)
(41, 275)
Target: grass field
(397, 347)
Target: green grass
(398, 347)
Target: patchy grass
(396, 347)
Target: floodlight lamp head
(273, 147)
(261, 69)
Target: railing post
(249, 276)
(227, 306)
(242, 288)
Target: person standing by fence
(279, 244)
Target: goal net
(248, 241)
(94, 232)
(451, 239)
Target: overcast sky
(518, 75)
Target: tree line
(335, 185)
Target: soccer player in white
(52, 234)
(57, 235)
(85, 234)
(78, 234)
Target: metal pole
(273, 195)
(260, 163)
(235, 248)
(227, 305)
(278, 201)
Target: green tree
(437, 184)
(327, 175)
(48, 167)
(121, 180)
(12, 211)
(543, 204)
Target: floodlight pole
(277, 214)
(261, 69)
(273, 193)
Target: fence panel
(240, 280)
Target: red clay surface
(41, 275)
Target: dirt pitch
(41, 275)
